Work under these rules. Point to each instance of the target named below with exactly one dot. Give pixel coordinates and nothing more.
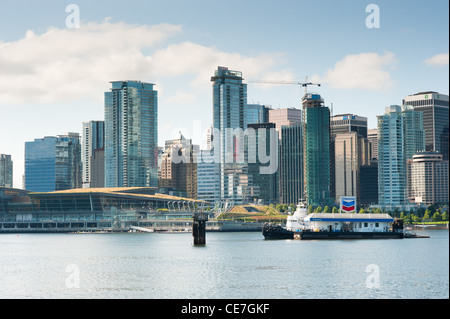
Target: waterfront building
(435, 109)
(93, 209)
(372, 136)
(400, 136)
(53, 163)
(131, 135)
(208, 185)
(6, 171)
(428, 180)
(93, 144)
(229, 120)
(265, 142)
(179, 167)
(351, 151)
(316, 150)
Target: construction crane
(304, 84)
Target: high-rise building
(257, 113)
(291, 164)
(179, 167)
(284, 117)
(316, 150)
(400, 136)
(6, 171)
(229, 121)
(93, 144)
(435, 109)
(372, 136)
(208, 185)
(262, 151)
(351, 151)
(131, 135)
(428, 179)
(344, 123)
(53, 163)
(368, 184)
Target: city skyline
(53, 77)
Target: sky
(54, 71)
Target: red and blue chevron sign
(348, 204)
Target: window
(365, 225)
(377, 224)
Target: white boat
(295, 222)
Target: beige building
(428, 179)
(351, 152)
(179, 167)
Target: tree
(437, 217)
(426, 215)
(362, 211)
(445, 216)
(319, 209)
(402, 215)
(310, 209)
(326, 209)
(335, 210)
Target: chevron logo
(348, 204)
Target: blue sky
(53, 78)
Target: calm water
(231, 265)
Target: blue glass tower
(131, 135)
(53, 163)
(229, 122)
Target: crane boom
(302, 84)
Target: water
(231, 265)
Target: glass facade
(257, 113)
(93, 140)
(264, 185)
(208, 183)
(229, 120)
(6, 171)
(316, 150)
(400, 136)
(53, 163)
(435, 110)
(291, 164)
(131, 135)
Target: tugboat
(294, 223)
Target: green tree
(310, 209)
(437, 217)
(362, 211)
(402, 215)
(319, 209)
(335, 210)
(426, 215)
(445, 216)
(326, 209)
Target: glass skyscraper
(131, 135)
(53, 163)
(6, 171)
(229, 121)
(400, 136)
(435, 109)
(93, 140)
(316, 150)
(291, 164)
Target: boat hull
(276, 232)
(350, 235)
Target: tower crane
(302, 84)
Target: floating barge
(338, 226)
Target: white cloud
(438, 59)
(361, 71)
(69, 64)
